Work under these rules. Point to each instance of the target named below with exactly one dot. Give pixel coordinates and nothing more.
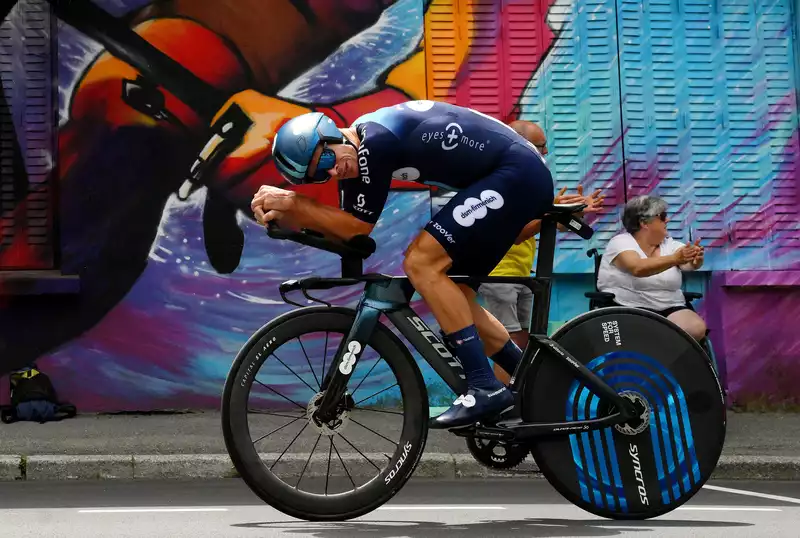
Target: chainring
(497, 454)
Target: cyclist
(503, 184)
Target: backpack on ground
(33, 398)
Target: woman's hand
(688, 253)
(697, 261)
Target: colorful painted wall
(692, 100)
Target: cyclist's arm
(530, 229)
(630, 262)
(533, 228)
(330, 221)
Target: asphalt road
(513, 507)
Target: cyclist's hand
(268, 115)
(271, 203)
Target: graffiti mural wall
(171, 288)
(175, 277)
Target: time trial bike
(620, 408)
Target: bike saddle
(561, 209)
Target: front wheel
(652, 464)
(336, 470)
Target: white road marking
(147, 510)
(729, 508)
(465, 507)
(753, 494)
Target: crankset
(497, 454)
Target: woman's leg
(689, 321)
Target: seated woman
(642, 267)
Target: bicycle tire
(645, 468)
(311, 506)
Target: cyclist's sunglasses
(327, 160)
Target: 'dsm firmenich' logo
(473, 209)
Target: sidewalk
(190, 445)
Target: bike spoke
(281, 395)
(379, 411)
(307, 461)
(324, 357)
(290, 444)
(328, 472)
(366, 375)
(343, 465)
(370, 396)
(295, 373)
(373, 431)
(357, 450)
(277, 430)
(273, 414)
(309, 363)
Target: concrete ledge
(9, 468)
(78, 467)
(432, 466)
(196, 466)
(757, 468)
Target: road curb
(757, 468)
(213, 466)
(10, 468)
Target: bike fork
(345, 360)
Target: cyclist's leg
(469, 236)
(499, 325)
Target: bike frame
(391, 296)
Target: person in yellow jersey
(511, 304)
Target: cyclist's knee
(425, 259)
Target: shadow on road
(495, 527)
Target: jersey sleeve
(365, 196)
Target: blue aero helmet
(295, 143)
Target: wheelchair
(603, 299)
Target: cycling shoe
(473, 406)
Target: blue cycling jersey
(429, 142)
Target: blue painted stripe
(587, 448)
(573, 441)
(612, 451)
(601, 456)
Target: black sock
(508, 357)
(468, 348)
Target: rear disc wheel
(658, 460)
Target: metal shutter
(580, 86)
(27, 151)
